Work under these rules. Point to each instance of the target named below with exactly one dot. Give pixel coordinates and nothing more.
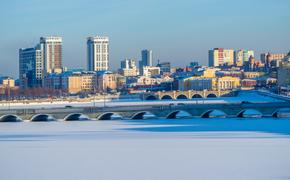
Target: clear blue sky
(179, 31)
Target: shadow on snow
(266, 125)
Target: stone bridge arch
(109, 116)
(166, 97)
(281, 113)
(42, 118)
(214, 113)
(249, 113)
(174, 114)
(196, 95)
(181, 96)
(211, 95)
(76, 117)
(151, 97)
(142, 115)
(10, 118)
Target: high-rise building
(220, 56)
(39, 61)
(268, 57)
(242, 56)
(147, 59)
(128, 64)
(129, 68)
(31, 67)
(272, 61)
(52, 54)
(284, 74)
(164, 67)
(98, 53)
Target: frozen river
(181, 149)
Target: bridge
(164, 111)
(190, 94)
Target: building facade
(85, 82)
(98, 53)
(272, 60)
(242, 55)
(129, 72)
(227, 83)
(164, 67)
(220, 57)
(128, 64)
(150, 71)
(72, 82)
(146, 59)
(268, 57)
(201, 83)
(106, 81)
(31, 70)
(284, 74)
(7, 82)
(52, 54)
(129, 68)
(37, 62)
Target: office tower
(98, 53)
(220, 57)
(272, 60)
(31, 67)
(164, 67)
(242, 56)
(129, 68)
(52, 54)
(284, 74)
(128, 64)
(37, 62)
(268, 57)
(146, 58)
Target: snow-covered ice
(180, 149)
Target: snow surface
(181, 149)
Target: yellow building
(249, 75)
(80, 82)
(227, 83)
(209, 72)
(106, 81)
(8, 82)
(201, 83)
(129, 72)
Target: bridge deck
(230, 109)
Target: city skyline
(203, 27)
